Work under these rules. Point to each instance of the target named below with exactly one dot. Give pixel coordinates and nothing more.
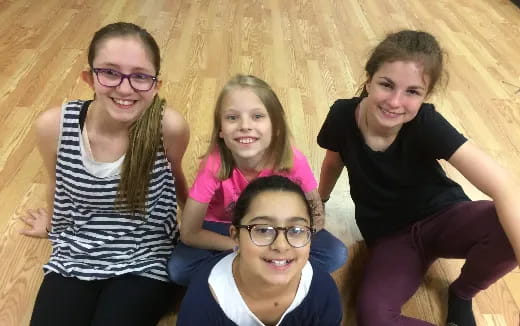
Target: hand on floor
(37, 222)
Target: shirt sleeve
(332, 132)
(206, 181)
(436, 135)
(301, 172)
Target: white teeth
(279, 262)
(123, 102)
(391, 113)
(246, 140)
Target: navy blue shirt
(321, 306)
(405, 183)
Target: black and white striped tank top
(90, 238)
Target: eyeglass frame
(249, 227)
(123, 76)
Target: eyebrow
(233, 110)
(392, 82)
(134, 69)
(273, 219)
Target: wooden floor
(310, 51)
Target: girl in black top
(409, 212)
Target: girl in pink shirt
(250, 139)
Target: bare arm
(176, 136)
(47, 130)
(318, 213)
(485, 174)
(331, 168)
(192, 233)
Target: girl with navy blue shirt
(268, 279)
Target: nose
(280, 242)
(395, 99)
(125, 86)
(245, 123)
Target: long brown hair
(145, 137)
(279, 151)
(407, 45)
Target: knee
(488, 226)
(185, 261)
(327, 252)
(180, 265)
(332, 250)
(177, 271)
(497, 237)
(339, 254)
(486, 214)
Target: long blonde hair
(145, 139)
(145, 134)
(279, 151)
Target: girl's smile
(124, 104)
(395, 94)
(125, 55)
(278, 263)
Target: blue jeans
(328, 253)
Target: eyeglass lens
(264, 235)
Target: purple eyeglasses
(112, 78)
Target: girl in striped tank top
(116, 178)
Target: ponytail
(145, 139)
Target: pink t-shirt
(222, 194)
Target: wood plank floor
(310, 51)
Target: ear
(88, 77)
(158, 85)
(368, 84)
(234, 234)
(220, 134)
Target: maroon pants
(397, 264)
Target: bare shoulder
(176, 134)
(174, 124)
(47, 125)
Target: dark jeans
(124, 300)
(327, 253)
(397, 263)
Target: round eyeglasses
(112, 78)
(264, 235)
